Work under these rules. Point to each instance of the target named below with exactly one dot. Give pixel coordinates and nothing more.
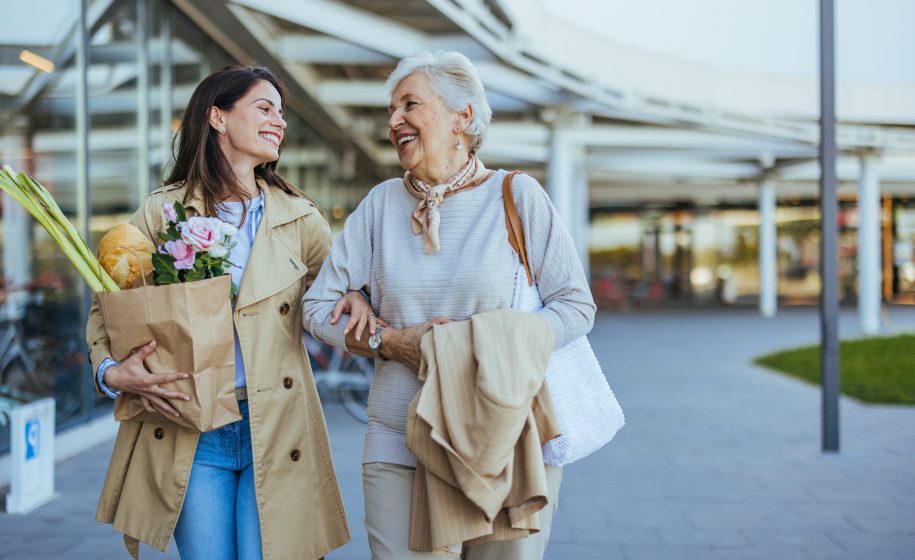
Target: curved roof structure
(697, 99)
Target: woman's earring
(460, 145)
(222, 130)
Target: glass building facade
(89, 103)
(695, 255)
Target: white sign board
(31, 455)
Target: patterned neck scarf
(426, 215)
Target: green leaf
(164, 279)
(164, 268)
(195, 274)
(180, 212)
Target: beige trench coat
(298, 499)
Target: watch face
(374, 342)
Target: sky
(875, 39)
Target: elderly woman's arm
(568, 304)
(334, 309)
(347, 268)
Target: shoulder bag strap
(513, 225)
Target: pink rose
(201, 233)
(169, 210)
(183, 254)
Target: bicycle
(41, 351)
(340, 373)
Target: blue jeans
(219, 518)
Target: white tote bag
(586, 409)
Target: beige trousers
(388, 490)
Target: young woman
(263, 486)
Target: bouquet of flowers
(194, 248)
(187, 313)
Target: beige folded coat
(477, 427)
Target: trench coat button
(284, 309)
(295, 455)
(159, 433)
(287, 382)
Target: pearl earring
(460, 145)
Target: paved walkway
(719, 460)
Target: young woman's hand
(360, 314)
(403, 345)
(131, 376)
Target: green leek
(41, 205)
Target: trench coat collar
(273, 264)
(276, 211)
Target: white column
(768, 252)
(869, 261)
(143, 105)
(567, 183)
(561, 175)
(583, 214)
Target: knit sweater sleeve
(568, 305)
(347, 267)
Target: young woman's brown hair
(199, 160)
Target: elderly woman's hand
(402, 345)
(360, 314)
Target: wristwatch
(375, 342)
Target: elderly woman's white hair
(455, 79)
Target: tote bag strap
(513, 225)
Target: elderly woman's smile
(423, 130)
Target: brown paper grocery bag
(191, 323)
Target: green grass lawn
(874, 370)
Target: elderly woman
(428, 248)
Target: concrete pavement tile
(772, 498)
(838, 497)
(727, 516)
(583, 552)
(657, 518)
(719, 539)
(589, 535)
(113, 547)
(833, 522)
(621, 490)
(667, 552)
(903, 499)
(891, 511)
(873, 544)
(48, 544)
(878, 525)
(563, 532)
(761, 554)
(702, 493)
(873, 555)
(807, 540)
